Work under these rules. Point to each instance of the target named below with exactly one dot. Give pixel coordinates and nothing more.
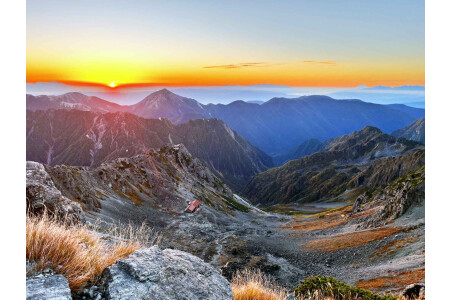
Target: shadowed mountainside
(83, 138)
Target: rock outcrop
(153, 273)
(394, 200)
(42, 195)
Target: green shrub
(321, 286)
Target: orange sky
(181, 43)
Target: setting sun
(112, 84)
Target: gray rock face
(41, 194)
(153, 273)
(394, 200)
(50, 287)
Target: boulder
(42, 195)
(414, 291)
(48, 287)
(153, 273)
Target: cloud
(328, 62)
(240, 65)
(265, 64)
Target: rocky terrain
(274, 126)
(414, 131)
(82, 138)
(378, 243)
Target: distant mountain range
(414, 131)
(362, 159)
(411, 95)
(274, 126)
(85, 138)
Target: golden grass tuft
(254, 285)
(76, 252)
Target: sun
(112, 84)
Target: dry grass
(254, 285)
(394, 246)
(393, 281)
(75, 251)
(326, 220)
(351, 239)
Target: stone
(48, 287)
(414, 291)
(152, 273)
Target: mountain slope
(223, 151)
(306, 148)
(327, 174)
(167, 176)
(154, 187)
(414, 131)
(83, 138)
(414, 112)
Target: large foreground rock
(153, 273)
(48, 287)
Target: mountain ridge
(84, 138)
(326, 174)
(280, 123)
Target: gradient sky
(190, 43)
